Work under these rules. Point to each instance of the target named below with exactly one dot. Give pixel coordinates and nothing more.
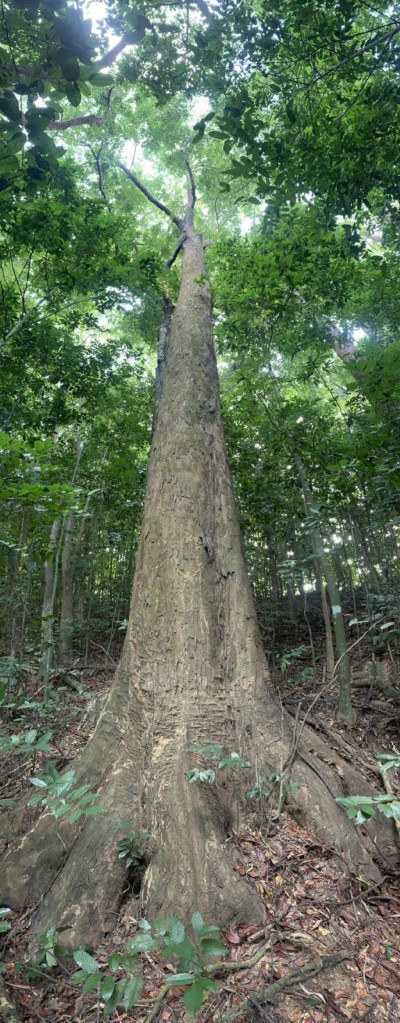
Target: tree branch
(204, 9)
(21, 323)
(346, 60)
(108, 58)
(97, 160)
(192, 184)
(156, 202)
(75, 122)
(23, 71)
(170, 262)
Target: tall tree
(193, 668)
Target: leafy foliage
(54, 788)
(169, 935)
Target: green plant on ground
(130, 847)
(30, 742)
(258, 790)
(118, 985)
(362, 808)
(4, 923)
(54, 788)
(286, 659)
(212, 751)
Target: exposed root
(269, 994)
(75, 874)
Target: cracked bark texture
(193, 668)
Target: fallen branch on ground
(268, 996)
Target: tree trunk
(193, 668)
(345, 707)
(67, 591)
(49, 597)
(329, 650)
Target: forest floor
(329, 951)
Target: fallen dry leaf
(232, 937)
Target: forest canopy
(175, 175)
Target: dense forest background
(296, 165)
(290, 115)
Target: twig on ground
(229, 967)
(268, 996)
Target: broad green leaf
(107, 988)
(104, 81)
(193, 997)
(197, 922)
(86, 961)
(114, 962)
(176, 929)
(213, 947)
(180, 978)
(132, 992)
(92, 982)
(143, 943)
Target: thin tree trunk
(67, 591)
(49, 598)
(329, 648)
(68, 564)
(16, 597)
(345, 707)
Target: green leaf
(193, 997)
(180, 978)
(114, 962)
(111, 1003)
(144, 924)
(79, 976)
(31, 736)
(212, 947)
(143, 943)
(10, 107)
(86, 961)
(197, 922)
(91, 983)
(73, 95)
(176, 930)
(70, 68)
(132, 992)
(181, 949)
(391, 810)
(107, 988)
(74, 816)
(103, 81)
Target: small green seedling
(130, 847)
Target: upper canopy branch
(24, 71)
(192, 190)
(182, 223)
(156, 202)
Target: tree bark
(67, 590)
(49, 597)
(345, 707)
(193, 668)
